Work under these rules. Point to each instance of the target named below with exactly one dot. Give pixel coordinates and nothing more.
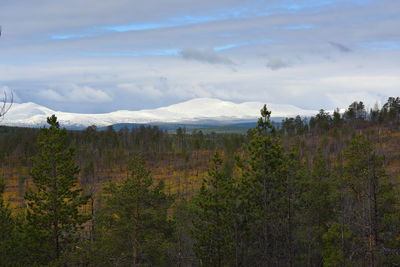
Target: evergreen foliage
(213, 228)
(263, 202)
(7, 229)
(133, 228)
(318, 207)
(181, 252)
(53, 216)
(372, 199)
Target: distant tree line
(356, 115)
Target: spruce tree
(53, 216)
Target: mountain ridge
(194, 111)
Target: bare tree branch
(6, 104)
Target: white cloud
(88, 94)
(76, 94)
(52, 95)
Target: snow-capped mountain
(194, 111)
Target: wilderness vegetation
(322, 191)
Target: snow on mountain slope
(193, 111)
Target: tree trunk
(55, 239)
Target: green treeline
(311, 193)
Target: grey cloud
(275, 63)
(341, 47)
(206, 56)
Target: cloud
(92, 17)
(73, 56)
(88, 94)
(381, 45)
(52, 95)
(340, 47)
(205, 56)
(275, 63)
(76, 94)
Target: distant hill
(198, 113)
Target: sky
(97, 56)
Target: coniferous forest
(319, 191)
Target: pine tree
(318, 207)
(264, 201)
(133, 227)
(53, 216)
(370, 214)
(337, 120)
(296, 186)
(213, 228)
(182, 249)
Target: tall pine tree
(53, 216)
(264, 201)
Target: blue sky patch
(69, 36)
(299, 27)
(381, 45)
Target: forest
(319, 191)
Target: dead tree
(6, 104)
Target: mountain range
(196, 111)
